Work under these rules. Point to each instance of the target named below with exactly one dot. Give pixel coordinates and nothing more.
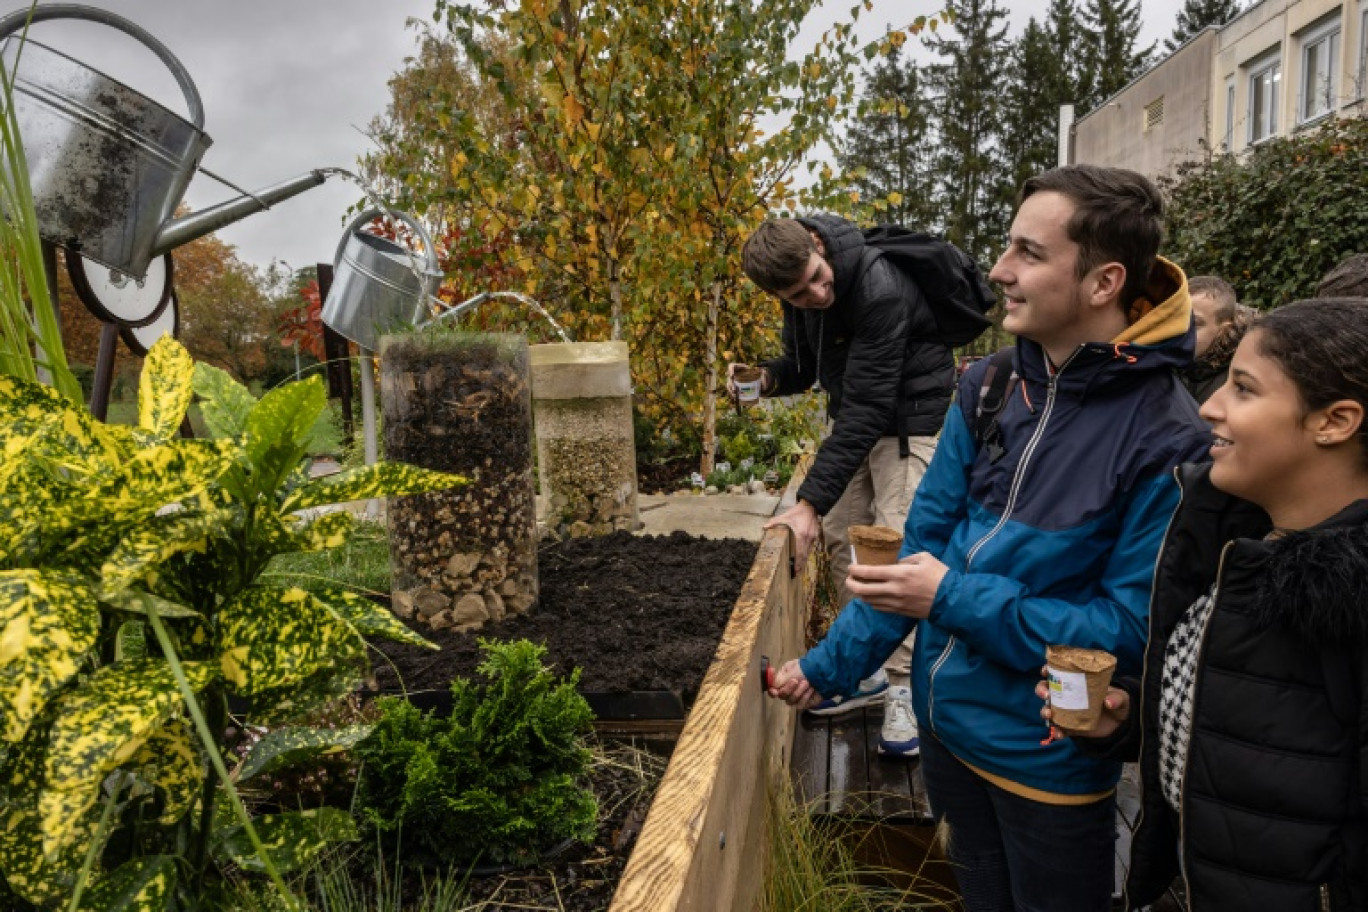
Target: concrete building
(1278, 67)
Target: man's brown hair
(1219, 290)
(776, 255)
(1118, 218)
(1347, 280)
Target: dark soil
(665, 477)
(633, 612)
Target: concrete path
(708, 516)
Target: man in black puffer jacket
(858, 327)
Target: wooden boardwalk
(838, 772)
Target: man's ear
(1107, 282)
(817, 242)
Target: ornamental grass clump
(496, 782)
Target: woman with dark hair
(1250, 721)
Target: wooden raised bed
(702, 846)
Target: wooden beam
(703, 844)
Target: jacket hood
(844, 243)
(1316, 580)
(1163, 312)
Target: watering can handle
(17, 20)
(429, 250)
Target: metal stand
(104, 371)
(372, 443)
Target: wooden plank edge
(735, 741)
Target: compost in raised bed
(634, 613)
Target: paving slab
(707, 515)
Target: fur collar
(1316, 581)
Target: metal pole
(49, 250)
(104, 371)
(368, 420)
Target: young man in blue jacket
(1048, 536)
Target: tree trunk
(710, 381)
(615, 297)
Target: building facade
(1278, 67)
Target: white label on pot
(1068, 689)
(748, 390)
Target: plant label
(1068, 689)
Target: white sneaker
(872, 690)
(899, 736)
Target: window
(1264, 78)
(1229, 140)
(1320, 60)
(1154, 113)
(1362, 77)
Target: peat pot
(586, 457)
(460, 402)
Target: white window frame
(1361, 71)
(1270, 65)
(1325, 38)
(1229, 141)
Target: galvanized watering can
(109, 166)
(378, 285)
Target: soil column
(461, 402)
(586, 455)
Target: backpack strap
(998, 383)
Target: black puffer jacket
(869, 351)
(1274, 802)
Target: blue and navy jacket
(1053, 543)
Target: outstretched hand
(791, 686)
(802, 518)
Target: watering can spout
(187, 228)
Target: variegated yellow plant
(129, 565)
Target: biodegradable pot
(586, 454)
(875, 544)
(748, 381)
(461, 402)
(1078, 684)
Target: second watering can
(379, 286)
(108, 166)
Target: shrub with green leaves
(1272, 222)
(497, 781)
(131, 609)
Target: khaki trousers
(879, 494)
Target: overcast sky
(288, 85)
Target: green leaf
(98, 727)
(169, 761)
(153, 478)
(383, 479)
(271, 638)
(155, 541)
(164, 388)
(291, 840)
(48, 621)
(224, 403)
(35, 415)
(289, 746)
(140, 602)
(331, 530)
(37, 877)
(130, 642)
(141, 885)
(369, 619)
(288, 705)
(278, 428)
